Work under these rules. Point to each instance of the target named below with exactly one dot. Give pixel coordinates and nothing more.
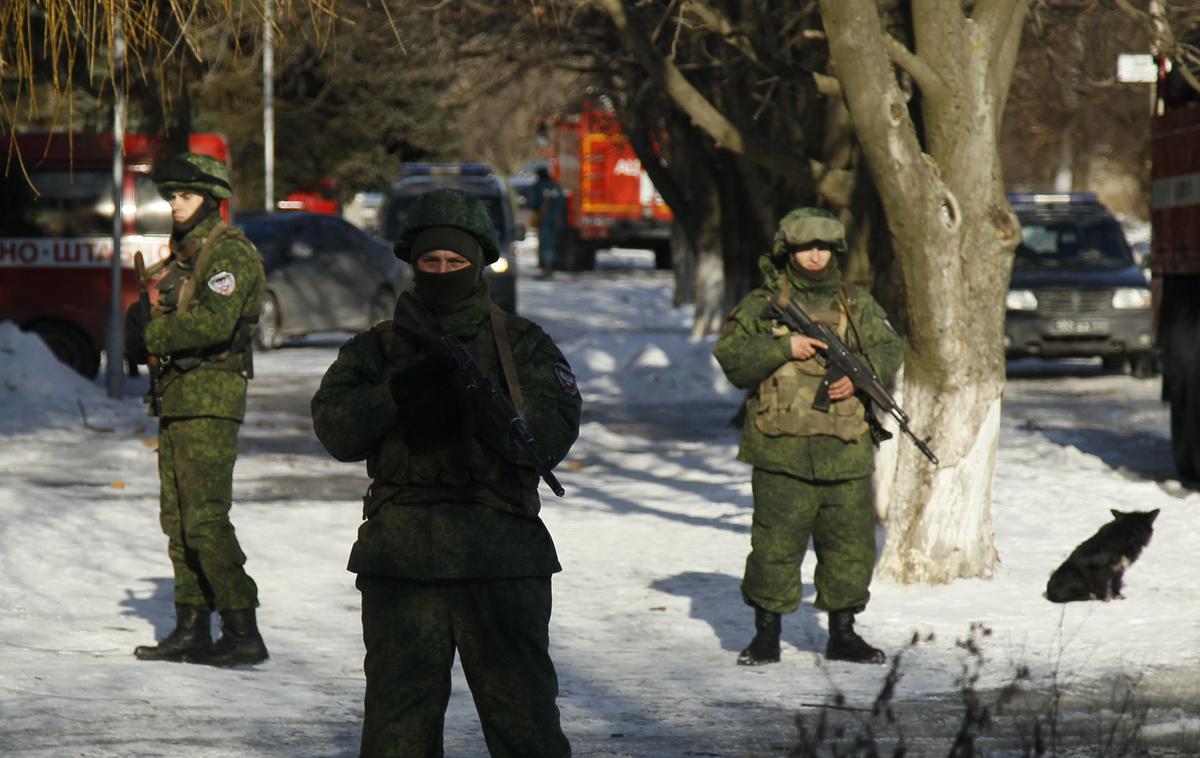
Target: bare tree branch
(928, 79)
(832, 184)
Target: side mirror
(302, 250)
(518, 232)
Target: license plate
(1070, 326)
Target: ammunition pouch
(235, 355)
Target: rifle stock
(474, 380)
(839, 361)
(153, 365)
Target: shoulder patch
(566, 379)
(222, 283)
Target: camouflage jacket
(200, 377)
(462, 502)
(752, 348)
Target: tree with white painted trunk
(954, 236)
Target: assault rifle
(839, 362)
(472, 379)
(153, 366)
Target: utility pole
(115, 342)
(269, 105)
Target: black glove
(135, 335)
(427, 400)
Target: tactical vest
(785, 398)
(177, 295)
(462, 464)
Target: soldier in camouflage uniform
(452, 555)
(199, 334)
(812, 470)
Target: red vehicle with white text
(1175, 260)
(56, 211)
(610, 199)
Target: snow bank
(37, 391)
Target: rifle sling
(841, 297)
(504, 348)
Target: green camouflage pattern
(192, 387)
(452, 556)
(210, 166)
(840, 518)
(499, 628)
(449, 207)
(465, 505)
(751, 348)
(809, 225)
(195, 469)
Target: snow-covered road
(652, 534)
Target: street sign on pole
(1137, 67)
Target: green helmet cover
(809, 225)
(449, 207)
(192, 172)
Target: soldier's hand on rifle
(804, 347)
(841, 389)
(135, 336)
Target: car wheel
(1143, 366)
(383, 305)
(573, 253)
(71, 345)
(662, 256)
(269, 335)
(1113, 362)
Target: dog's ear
(1153, 515)
(1116, 513)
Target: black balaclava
(442, 290)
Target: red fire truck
(1175, 259)
(610, 199)
(56, 210)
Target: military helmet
(454, 208)
(192, 172)
(809, 225)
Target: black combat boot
(764, 648)
(192, 634)
(845, 644)
(240, 642)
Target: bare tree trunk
(708, 277)
(954, 235)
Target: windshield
(1072, 245)
(74, 204)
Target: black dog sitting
(1094, 570)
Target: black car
(1076, 289)
(323, 274)
(476, 179)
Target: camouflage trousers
(195, 471)
(840, 518)
(500, 627)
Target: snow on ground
(652, 535)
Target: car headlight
(1128, 298)
(1021, 300)
(500, 266)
